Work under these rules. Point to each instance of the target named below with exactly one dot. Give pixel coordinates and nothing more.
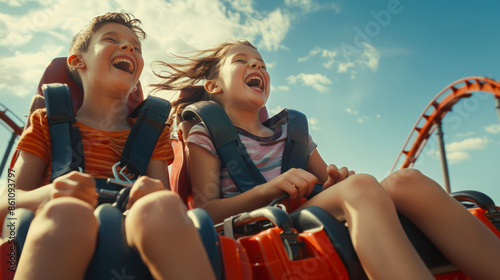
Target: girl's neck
(249, 121)
(103, 113)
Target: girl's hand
(75, 184)
(143, 186)
(336, 175)
(297, 183)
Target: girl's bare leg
(461, 237)
(377, 235)
(60, 242)
(159, 228)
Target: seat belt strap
(151, 117)
(227, 143)
(65, 139)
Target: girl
(235, 76)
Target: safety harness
(232, 152)
(67, 149)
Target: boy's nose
(127, 47)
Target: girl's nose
(255, 64)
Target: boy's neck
(103, 112)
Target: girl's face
(243, 79)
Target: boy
(105, 58)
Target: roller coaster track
(431, 117)
(8, 120)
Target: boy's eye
(138, 50)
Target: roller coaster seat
(113, 257)
(268, 256)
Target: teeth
(254, 78)
(126, 60)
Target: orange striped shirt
(101, 148)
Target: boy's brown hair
(81, 41)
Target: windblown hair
(81, 41)
(202, 65)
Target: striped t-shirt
(101, 148)
(265, 152)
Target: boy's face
(244, 79)
(113, 60)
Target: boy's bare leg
(60, 242)
(159, 228)
(377, 235)
(461, 237)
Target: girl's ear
(76, 61)
(212, 87)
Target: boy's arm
(26, 178)
(157, 169)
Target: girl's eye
(110, 40)
(240, 60)
(138, 50)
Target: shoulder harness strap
(233, 153)
(151, 117)
(227, 143)
(64, 137)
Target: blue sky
(362, 71)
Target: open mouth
(255, 81)
(123, 64)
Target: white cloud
(368, 57)
(172, 26)
(351, 111)
(493, 129)
(313, 124)
(308, 6)
(457, 152)
(316, 81)
(275, 110)
(456, 157)
(22, 67)
(280, 88)
(468, 144)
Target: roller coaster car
(113, 258)
(306, 244)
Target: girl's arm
(205, 171)
(327, 175)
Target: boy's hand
(143, 186)
(76, 184)
(297, 183)
(336, 175)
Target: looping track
(435, 112)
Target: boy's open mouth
(255, 81)
(123, 64)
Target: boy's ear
(76, 61)
(212, 87)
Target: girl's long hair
(202, 65)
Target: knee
(158, 213)
(363, 189)
(410, 183)
(67, 217)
